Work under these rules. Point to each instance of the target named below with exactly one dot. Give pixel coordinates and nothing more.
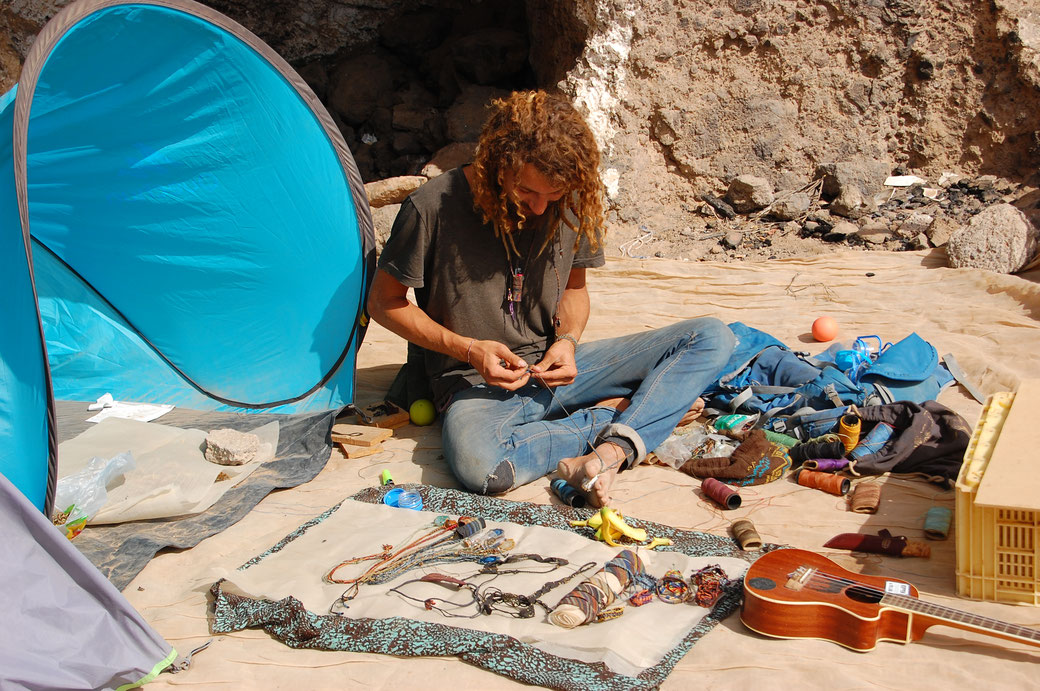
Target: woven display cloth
(288, 620)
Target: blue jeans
(495, 439)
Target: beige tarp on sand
(990, 322)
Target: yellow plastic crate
(998, 502)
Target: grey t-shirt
(460, 272)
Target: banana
(594, 522)
(659, 542)
(618, 524)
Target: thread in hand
(721, 492)
(567, 494)
(832, 484)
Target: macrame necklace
(488, 599)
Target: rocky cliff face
(684, 95)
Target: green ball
(422, 412)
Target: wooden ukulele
(792, 593)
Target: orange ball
(824, 329)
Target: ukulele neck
(937, 614)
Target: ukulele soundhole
(761, 583)
(861, 593)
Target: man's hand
(499, 365)
(557, 368)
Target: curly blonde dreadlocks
(547, 132)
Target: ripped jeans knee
(500, 479)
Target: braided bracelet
(568, 337)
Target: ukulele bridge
(797, 579)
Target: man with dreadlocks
(497, 253)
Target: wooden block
(385, 415)
(359, 435)
(351, 451)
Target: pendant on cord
(515, 292)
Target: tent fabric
(65, 626)
(194, 230)
(196, 213)
(27, 433)
(121, 550)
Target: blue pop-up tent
(180, 222)
(197, 229)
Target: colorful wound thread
(721, 492)
(848, 431)
(746, 536)
(937, 523)
(873, 441)
(832, 484)
(589, 599)
(866, 498)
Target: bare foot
(693, 413)
(602, 465)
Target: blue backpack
(781, 386)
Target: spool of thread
(781, 439)
(816, 449)
(873, 441)
(826, 464)
(721, 492)
(848, 431)
(937, 523)
(746, 535)
(567, 494)
(866, 497)
(832, 484)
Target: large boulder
(1000, 238)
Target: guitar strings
(1030, 633)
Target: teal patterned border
(288, 621)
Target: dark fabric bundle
(756, 461)
(928, 438)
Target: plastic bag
(679, 448)
(78, 497)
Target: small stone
(748, 193)
(874, 232)
(915, 224)
(920, 242)
(733, 239)
(231, 447)
(792, 207)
